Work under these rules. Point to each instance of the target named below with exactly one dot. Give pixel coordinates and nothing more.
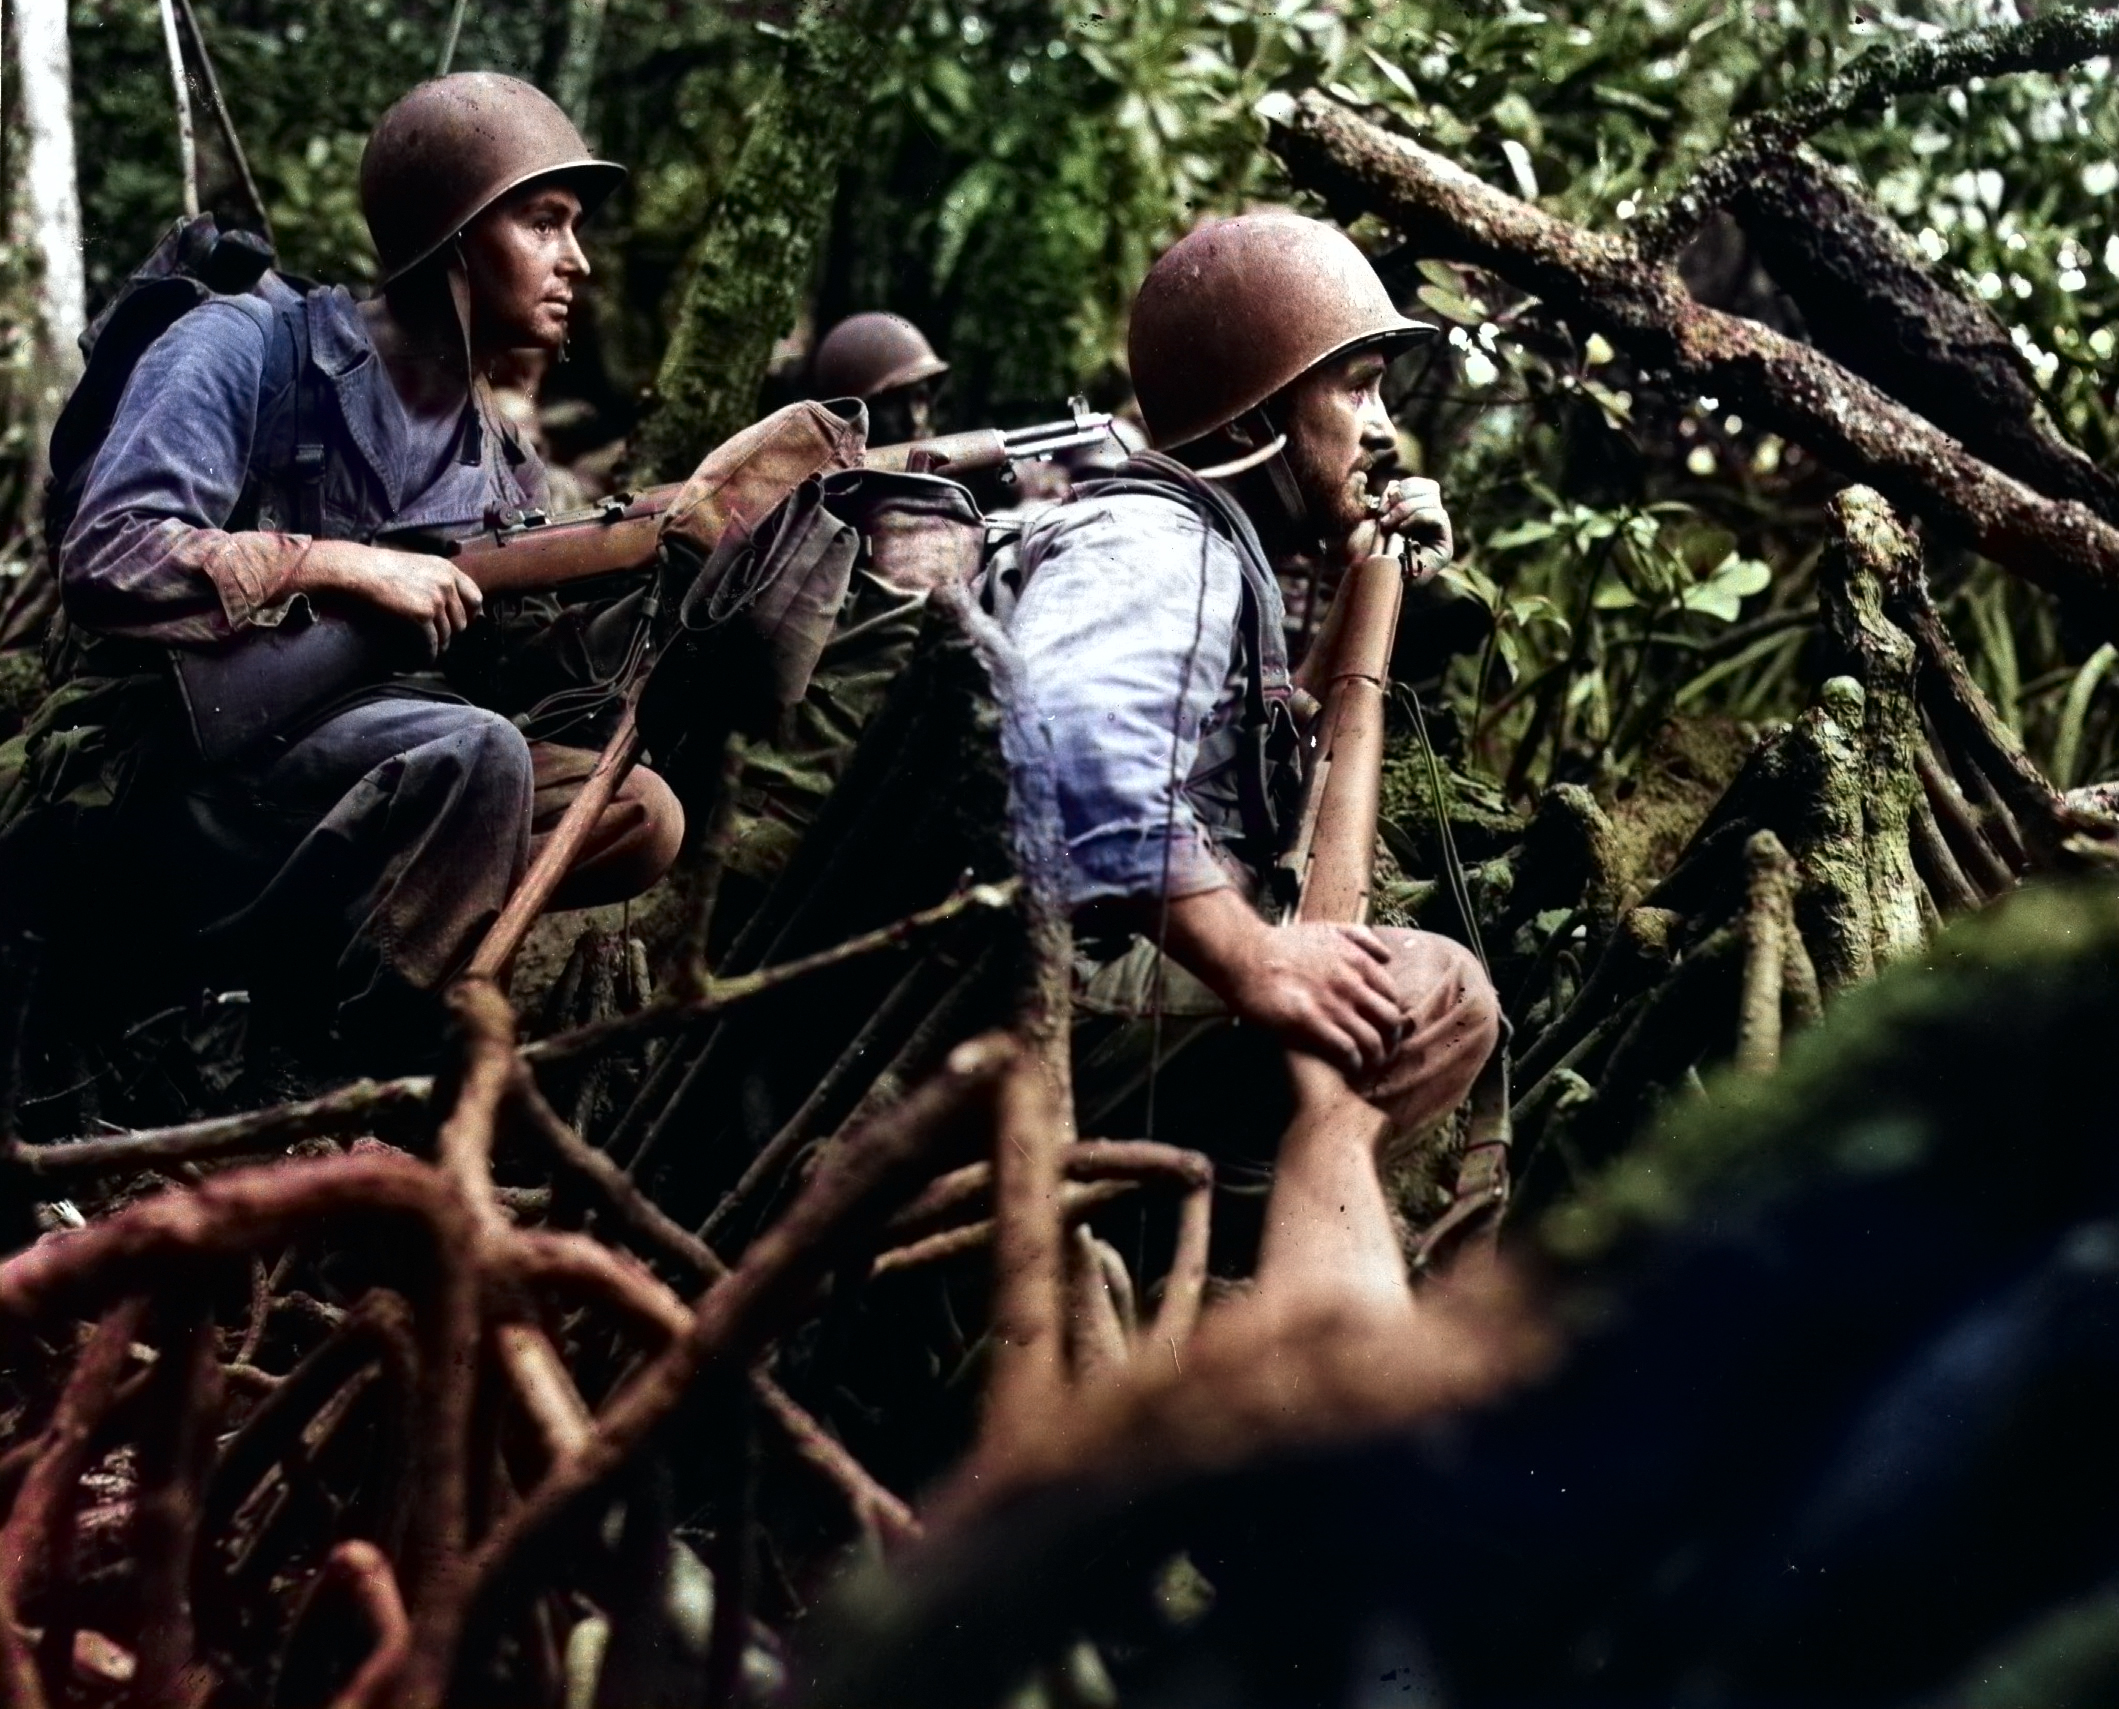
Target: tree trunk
(577, 65)
(753, 262)
(51, 201)
(50, 215)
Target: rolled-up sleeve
(149, 554)
(1127, 625)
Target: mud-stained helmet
(454, 146)
(1241, 307)
(867, 354)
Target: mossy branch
(2055, 41)
(1601, 283)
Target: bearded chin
(1339, 508)
(1335, 500)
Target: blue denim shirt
(1128, 627)
(149, 554)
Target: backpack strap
(290, 452)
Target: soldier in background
(886, 361)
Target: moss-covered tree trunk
(753, 262)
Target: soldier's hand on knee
(1323, 988)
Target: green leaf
(1535, 609)
(1617, 406)
(1510, 651)
(1467, 579)
(1450, 306)
(1522, 534)
(1704, 549)
(1723, 593)
(1393, 73)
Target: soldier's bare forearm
(431, 594)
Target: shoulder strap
(1266, 652)
(290, 452)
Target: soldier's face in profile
(524, 258)
(1337, 431)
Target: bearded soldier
(1150, 618)
(352, 860)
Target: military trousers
(350, 872)
(1153, 1044)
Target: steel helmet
(1241, 307)
(453, 147)
(867, 354)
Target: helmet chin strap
(483, 449)
(1281, 473)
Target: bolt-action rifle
(239, 693)
(537, 551)
(1332, 858)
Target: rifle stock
(236, 695)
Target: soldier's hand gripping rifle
(239, 692)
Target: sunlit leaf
(1393, 73)
(1450, 306)
(1528, 533)
(1467, 579)
(1723, 593)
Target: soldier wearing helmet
(356, 858)
(885, 360)
(1150, 618)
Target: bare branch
(660, 1018)
(365, 1106)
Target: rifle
(1332, 857)
(535, 552)
(236, 694)
(1335, 839)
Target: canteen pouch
(264, 682)
(743, 478)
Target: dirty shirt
(1128, 625)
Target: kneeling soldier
(352, 861)
(1151, 619)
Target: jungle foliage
(1835, 788)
